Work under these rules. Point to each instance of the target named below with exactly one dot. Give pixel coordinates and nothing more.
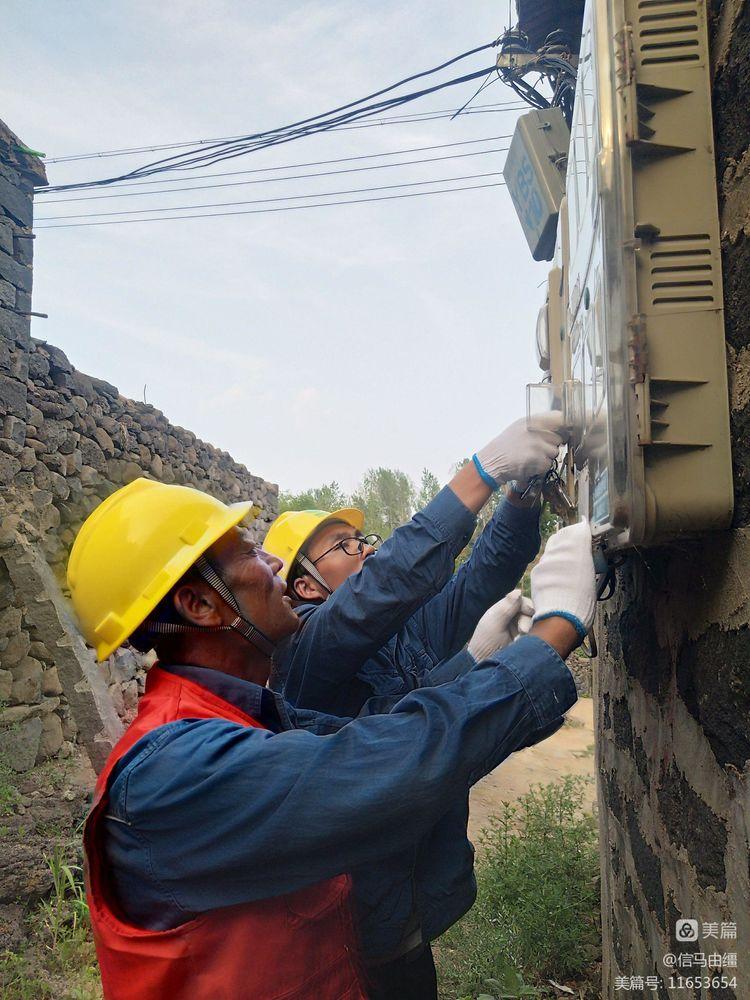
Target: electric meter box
(645, 367)
(534, 172)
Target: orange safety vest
(300, 946)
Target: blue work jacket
(384, 632)
(406, 610)
(205, 813)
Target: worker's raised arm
(497, 562)
(414, 565)
(338, 636)
(223, 814)
(506, 546)
(497, 628)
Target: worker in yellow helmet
(220, 829)
(294, 529)
(392, 618)
(380, 622)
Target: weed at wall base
(537, 912)
(58, 960)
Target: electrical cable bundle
(553, 64)
(398, 119)
(208, 154)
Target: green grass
(537, 913)
(8, 791)
(58, 960)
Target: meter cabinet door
(644, 319)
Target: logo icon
(686, 930)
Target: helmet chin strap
(240, 624)
(310, 568)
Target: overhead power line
(428, 116)
(207, 155)
(261, 201)
(402, 118)
(418, 116)
(282, 208)
(40, 199)
(277, 180)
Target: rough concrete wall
(673, 681)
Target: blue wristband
(574, 621)
(485, 476)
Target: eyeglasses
(352, 546)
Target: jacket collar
(258, 702)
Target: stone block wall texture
(68, 440)
(673, 677)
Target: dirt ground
(569, 751)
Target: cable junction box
(535, 174)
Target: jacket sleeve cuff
(546, 679)
(452, 517)
(486, 478)
(574, 620)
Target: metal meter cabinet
(646, 384)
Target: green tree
(429, 488)
(330, 496)
(387, 497)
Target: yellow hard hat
(291, 530)
(132, 550)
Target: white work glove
(500, 625)
(563, 582)
(520, 452)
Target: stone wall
(68, 440)
(81, 440)
(673, 684)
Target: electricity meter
(643, 353)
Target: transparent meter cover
(542, 398)
(542, 338)
(599, 281)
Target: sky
(310, 344)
